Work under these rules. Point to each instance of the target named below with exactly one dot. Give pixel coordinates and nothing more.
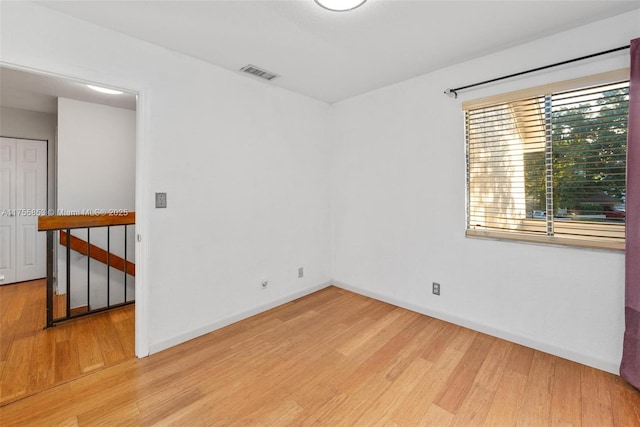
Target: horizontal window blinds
(550, 165)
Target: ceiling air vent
(252, 69)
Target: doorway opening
(89, 166)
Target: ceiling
(39, 92)
(332, 56)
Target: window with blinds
(549, 167)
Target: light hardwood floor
(33, 359)
(336, 358)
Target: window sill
(550, 240)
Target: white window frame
(583, 82)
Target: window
(549, 164)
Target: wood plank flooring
(33, 359)
(335, 358)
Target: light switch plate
(161, 200)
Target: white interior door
(7, 208)
(25, 186)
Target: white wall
(96, 156)
(96, 173)
(399, 210)
(17, 123)
(244, 165)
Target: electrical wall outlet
(161, 200)
(436, 288)
(300, 272)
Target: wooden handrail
(97, 253)
(64, 222)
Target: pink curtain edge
(630, 364)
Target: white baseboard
(604, 365)
(179, 339)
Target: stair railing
(63, 224)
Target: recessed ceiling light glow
(105, 90)
(340, 5)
